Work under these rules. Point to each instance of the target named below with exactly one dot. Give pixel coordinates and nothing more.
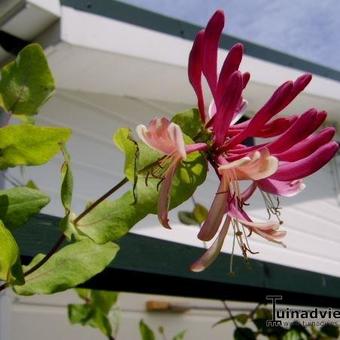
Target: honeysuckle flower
(293, 152)
(166, 137)
(292, 149)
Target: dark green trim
(127, 13)
(148, 265)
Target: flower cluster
(293, 150)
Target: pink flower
(167, 138)
(277, 166)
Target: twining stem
(62, 238)
(230, 313)
(100, 199)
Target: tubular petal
(195, 71)
(211, 41)
(304, 167)
(274, 105)
(216, 212)
(307, 146)
(211, 254)
(164, 194)
(228, 106)
(230, 65)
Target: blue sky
(308, 29)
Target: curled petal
(216, 212)
(164, 136)
(281, 188)
(211, 254)
(256, 166)
(242, 217)
(164, 195)
(176, 137)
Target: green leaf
(244, 333)
(87, 315)
(66, 181)
(104, 300)
(10, 265)
(72, 265)
(264, 313)
(189, 121)
(111, 220)
(293, 335)
(18, 204)
(200, 213)
(145, 331)
(241, 318)
(32, 185)
(26, 83)
(179, 336)
(95, 311)
(30, 144)
(84, 294)
(330, 330)
(187, 218)
(125, 143)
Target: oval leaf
(59, 273)
(145, 331)
(27, 82)
(10, 266)
(18, 204)
(29, 144)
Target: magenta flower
(294, 152)
(293, 149)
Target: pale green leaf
(200, 213)
(18, 204)
(145, 331)
(30, 144)
(72, 265)
(66, 181)
(87, 315)
(26, 83)
(32, 185)
(187, 218)
(10, 266)
(125, 143)
(189, 121)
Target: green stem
(62, 238)
(100, 199)
(230, 313)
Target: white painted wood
(49, 314)
(96, 32)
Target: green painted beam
(140, 17)
(148, 265)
